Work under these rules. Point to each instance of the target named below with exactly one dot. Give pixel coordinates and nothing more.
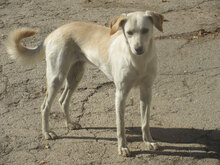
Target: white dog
(125, 52)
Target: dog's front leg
(145, 100)
(121, 95)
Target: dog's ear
(157, 19)
(117, 22)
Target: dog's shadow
(180, 139)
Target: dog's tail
(19, 52)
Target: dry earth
(185, 115)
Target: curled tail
(19, 52)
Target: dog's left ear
(157, 19)
(117, 22)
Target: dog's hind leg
(57, 69)
(73, 78)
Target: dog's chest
(131, 74)
(137, 74)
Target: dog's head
(137, 28)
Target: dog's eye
(143, 31)
(130, 33)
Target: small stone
(46, 147)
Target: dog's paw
(152, 146)
(50, 135)
(124, 151)
(74, 126)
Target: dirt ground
(185, 113)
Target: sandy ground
(185, 115)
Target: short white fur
(125, 52)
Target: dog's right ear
(117, 22)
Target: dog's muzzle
(139, 50)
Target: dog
(125, 52)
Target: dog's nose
(139, 50)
